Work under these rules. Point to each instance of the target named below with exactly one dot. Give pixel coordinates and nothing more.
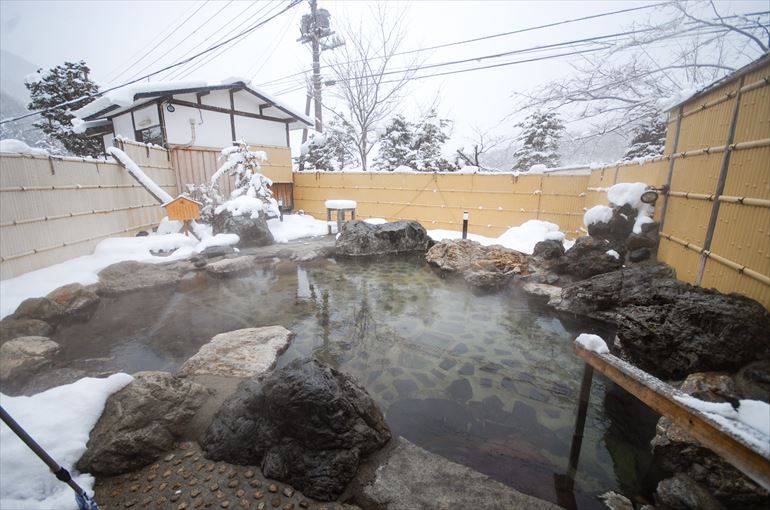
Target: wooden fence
(54, 209)
(196, 165)
(437, 200)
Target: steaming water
(488, 381)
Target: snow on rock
(295, 226)
(613, 254)
(597, 214)
(18, 147)
(340, 204)
(376, 221)
(137, 172)
(641, 220)
(593, 343)
(522, 238)
(631, 193)
(60, 420)
(242, 206)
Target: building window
(152, 134)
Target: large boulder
(306, 424)
(683, 493)
(130, 276)
(22, 358)
(588, 257)
(39, 308)
(548, 249)
(11, 327)
(485, 267)
(671, 328)
(140, 422)
(359, 238)
(240, 353)
(251, 231)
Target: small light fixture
(465, 216)
(649, 196)
(170, 108)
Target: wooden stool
(340, 206)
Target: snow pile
(167, 226)
(537, 169)
(340, 204)
(137, 172)
(60, 420)
(597, 214)
(612, 253)
(750, 422)
(522, 238)
(296, 226)
(376, 221)
(18, 147)
(110, 251)
(243, 205)
(468, 169)
(592, 343)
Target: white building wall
(246, 102)
(260, 132)
(123, 126)
(219, 98)
(213, 131)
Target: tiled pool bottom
(489, 381)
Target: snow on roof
(136, 94)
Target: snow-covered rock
(130, 276)
(240, 353)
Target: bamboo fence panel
(54, 209)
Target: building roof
(752, 66)
(125, 98)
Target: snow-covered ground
(85, 269)
(522, 238)
(60, 420)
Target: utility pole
(315, 29)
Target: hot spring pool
(489, 381)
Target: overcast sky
(112, 35)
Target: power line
(182, 73)
(184, 39)
(171, 66)
(218, 31)
(252, 72)
(492, 36)
(153, 46)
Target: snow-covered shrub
(207, 194)
(250, 185)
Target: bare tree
(628, 82)
(367, 79)
(481, 143)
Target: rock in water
(240, 353)
(252, 231)
(485, 267)
(306, 424)
(227, 268)
(588, 257)
(22, 358)
(11, 328)
(359, 238)
(671, 328)
(140, 422)
(76, 302)
(130, 276)
(682, 493)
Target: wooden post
(340, 219)
(661, 398)
(671, 165)
(329, 220)
(580, 424)
(720, 184)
